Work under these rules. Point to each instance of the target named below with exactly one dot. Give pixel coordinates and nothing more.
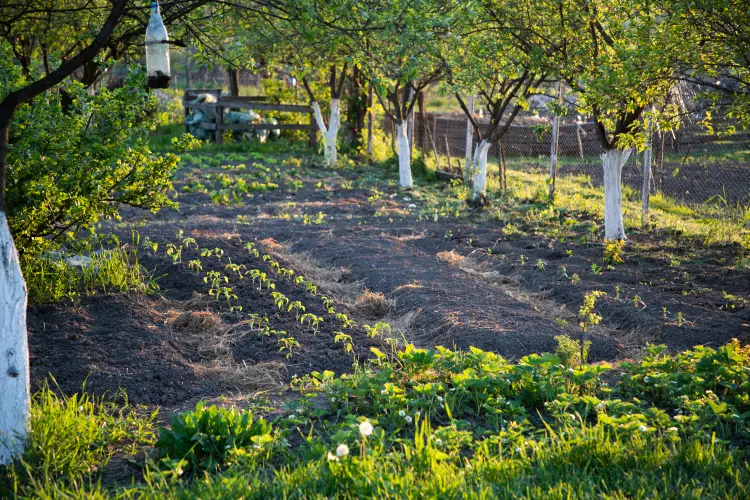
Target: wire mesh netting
(689, 164)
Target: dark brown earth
(122, 341)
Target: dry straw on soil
(208, 341)
(373, 306)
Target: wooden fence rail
(258, 103)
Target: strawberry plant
(211, 438)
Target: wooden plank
(204, 107)
(255, 126)
(261, 106)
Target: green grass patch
(57, 276)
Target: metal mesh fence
(689, 164)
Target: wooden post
(469, 143)
(503, 168)
(219, 122)
(434, 149)
(313, 141)
(646, 188)
(410, 127)
(187, 112)
(370, 124)
(553, 152)
(580, 141)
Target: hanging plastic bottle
(157, 51)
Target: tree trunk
(329, 133)
(356, 108)
(14, 351)
(479, 166)
(423, 120)
(613, 161)
(234, 81)
(410, 129)
(404, 163)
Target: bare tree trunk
(234, 81)
(646, 187)
(423, 119)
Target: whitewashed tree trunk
(404, 163)
(480, 169)
(613, 161)
(331, 132)
(14, 351)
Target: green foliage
(73, 438)
(613, 252)
(449, 424)
(586, 314)
(570, 351)
(53, 277)
(69, 167)
(210, 438)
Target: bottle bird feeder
(157, 50)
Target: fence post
(646, 188)
(313, 141)
(410, 126)
(553, 152)
(370, 124)
(469, 140)
(219, 122)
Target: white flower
(401, 413)
(342, 450)
(646, 379)
(518, 450)
(384, 391)
(408, 419)
(672, 429)
(407, 198)
(365, 428)
(412, 205)
(180, 471)
(438, 442)
(333, 400)
(600, 405)
(643, 428)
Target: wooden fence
(257, 103)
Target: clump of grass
(73, 438)
(55, 277)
